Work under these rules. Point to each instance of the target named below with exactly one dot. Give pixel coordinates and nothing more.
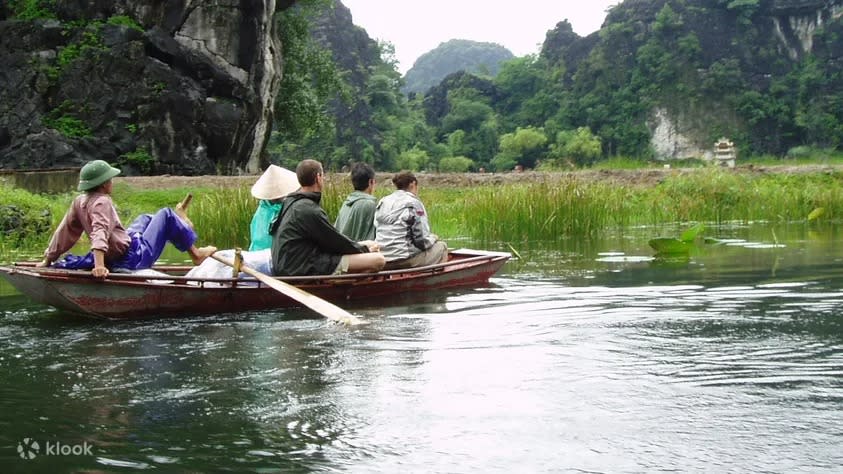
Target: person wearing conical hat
(112, 245)
(275, 183)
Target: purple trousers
(150, 234)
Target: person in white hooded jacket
(402, 229)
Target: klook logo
(29, 448)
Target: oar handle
(186, 201)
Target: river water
(579, 357)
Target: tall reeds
(570, 206)
(222, 217)
(545, 210)
(554, 206)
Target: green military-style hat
(95, 173)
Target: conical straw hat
(275, 183)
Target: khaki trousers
(435, 254)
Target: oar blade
(325, 308)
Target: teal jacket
(356, 218)
(259, 227)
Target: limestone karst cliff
(181, 87)
(698, 69)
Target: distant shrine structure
(725, 153)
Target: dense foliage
(711, 69)
(452, 56)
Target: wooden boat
(167, 292)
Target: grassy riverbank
(501, 208)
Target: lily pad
(692, 233)
(816, 213)
(670, 246)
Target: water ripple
(640, 368)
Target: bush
(28, 10)
(140, 159)
(68, 126)
(123, 20)
(504, 162)
(580, 145)
(455, 164)
(29, 220)
(800, 152)
(412, 160)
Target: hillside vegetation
(483, 59)
(662, 80)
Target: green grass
(27, 220)
(32, 9)
(571, 207)
(624, 163)
(547, 210)
(800, 155)
(126, 21)
(222, 217)
(559, 206)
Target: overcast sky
(415, 27)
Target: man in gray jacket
(402, 229)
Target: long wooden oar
(325, 308)
(329, 310)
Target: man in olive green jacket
(356, 218)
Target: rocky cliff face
(180, 87)
(357, 55)
(786, 26)
(796, 21)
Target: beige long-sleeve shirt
(94, 214)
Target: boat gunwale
(70, 290)
(54, 274)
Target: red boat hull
(124, 296)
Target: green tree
(456, 142)
(412, 160)
(527, 96)
(525, 146)
(580, 146)
(455, 164)
(819, 99)
(309, 82)
(476, 120)
(466, 115)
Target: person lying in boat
(356, 218)
(112, 245)
(275, 183)
(305, 243)
(402, 228)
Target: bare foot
(198, 255)
(182, 213)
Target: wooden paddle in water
(325, 308)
